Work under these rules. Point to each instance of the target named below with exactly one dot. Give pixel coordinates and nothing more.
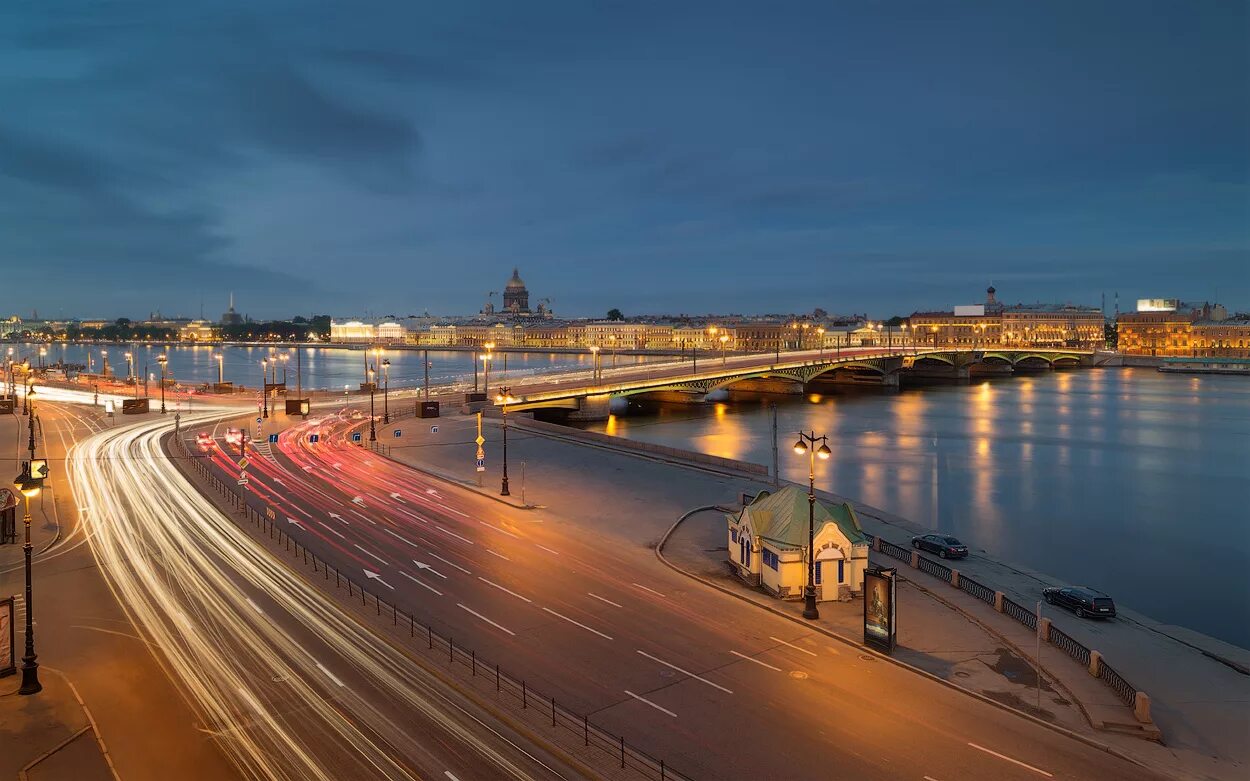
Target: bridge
(791, 373)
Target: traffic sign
(481, 454)
(398, 433)
(243, 462)
(270, 514)
(314, 438)
(356, 436)
(273, 439)
(433, 429)
(480, 440)
(241, 481)
(258, 420)
(243, 476)
(39, 468)
(481, 465)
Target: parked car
(941, 544)
(1082, 600)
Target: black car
(1085, 602)
(942, 545)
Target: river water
(1129, 480)
(323, 368)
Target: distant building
(1018, 325)
(199, 331)
(768, 546)
(516, 297)
(359, 332)
(232, 317)
(1173, 328)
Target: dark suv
(946, 547)
(1085, 602)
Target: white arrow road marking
(308, 468)
(358, 500)
(398, 498)
(449, 563)
(578, 623)
(295, 523)
(337, 465)
(378, 578)
(687, 672)
(420, 583)
(484, 618)
(757, 661)
(374, 555)
(421, 565)
(338, 518)
(503, 589)
(649, 702)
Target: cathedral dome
(515, 282)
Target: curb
(91, 727)
(659, 553)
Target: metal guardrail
(613, 747)
(931, 567)
(1069, 646)
(1020, 613)
(981, 592)
(1123, 689)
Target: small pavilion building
(768, 546)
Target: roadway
(285, 683)
(716, 688)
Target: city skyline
(1062, 152)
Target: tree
(615, 314)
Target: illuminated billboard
(880, 627)
(1157, 304)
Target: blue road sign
(398, 433)
(258, 420)
(481, 462)
(314, 438)
(433, 429)
(273, 439)
(356, 437)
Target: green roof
(781, 517)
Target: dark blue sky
(678, 157)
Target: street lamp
(373, 431)
(386, 390)
(807, 444)
(594, 363)
(29, 488)
(162, 359)
(130, 366)
(820, 337)
(486, 359)
(934, 330)
(264, 387)
(221, 367)
(724, 339)
(505, 398)
(104, 358)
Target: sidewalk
(50, 735)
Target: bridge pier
(590, 408)
(991, 370)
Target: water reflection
(1107, 477)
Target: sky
(401, 157)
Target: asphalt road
(716, 688)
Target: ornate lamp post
(723, 339)
(820, 339)
(386, 390)
(486, 359)
(264, 387)
(505, 398)
(594, 363)
(221, 367)
(373, 430)
(807, 444)
(29, 488)
(162, 359)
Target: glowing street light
(594, 363)
(486, 359)
(806, 444)
(264, 387)
(162, 359)
(505, 398)
(29, 488)
(724, 339)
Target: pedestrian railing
(931, 567)
(1123, 689)
(895, 551)
(1020, 613)
(1069, 646)
(981, 592)
(605, 746)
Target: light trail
(186, 578)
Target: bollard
(394, 616)
(1095, 663)
(496, 677)
(553, 711)
(429, 635)
(412, 626)
(473, 662)
(998, 601)
(451, 650)
(1141, 707)
(524, 704)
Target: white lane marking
(500, 555)
(362, 515)
(421, 565)
(503, 589)
(255, 606)
(792, 645)
(653, 591)
(332, 530)
(484, 618)
(604, 599)
(412, 515)
(329, 674)
(549, 550)
(686, 672)
(930, 778)
(757, 661)
(577, 623)
(652, 704)
(496, 528)
(1009, 759)
(402, 539)
(420, 583)
(453, 534)
(374, 555)
(449, 775)
(450, 563)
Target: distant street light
(724, 339)
(806, 444)
(486, 359)
(162, 359)
(505, 398)
(386, 390)
(820, 338)
(594, 363)
(264, 387)
(373, 386)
